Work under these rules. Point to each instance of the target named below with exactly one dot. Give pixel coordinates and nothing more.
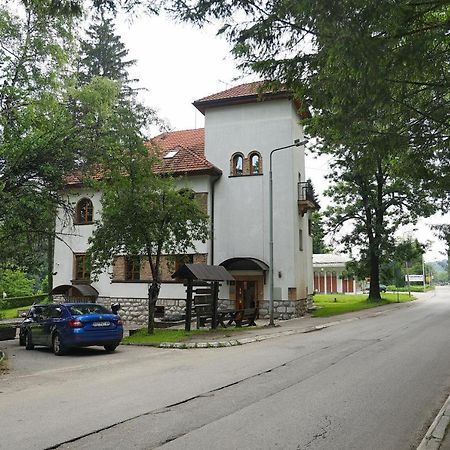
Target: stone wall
(134, 310)
(283, 309)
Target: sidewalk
(305, 324)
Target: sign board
(414, 278)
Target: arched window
(84, 211)
(237, 168)
(255, 163)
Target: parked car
(383, 288)
(67, 325)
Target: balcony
(306, 198)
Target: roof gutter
(213, 184)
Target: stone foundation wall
(134, 310)
(283, 309)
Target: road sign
(414, 278)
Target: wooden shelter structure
(202, 279)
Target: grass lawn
(351, 302)
(12, 313)
(171, 335)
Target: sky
(178, 64)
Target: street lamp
(297, 143)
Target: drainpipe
(215, 180)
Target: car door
(37, 315)
(50, 318)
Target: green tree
(49, 128)
(373, 199)
(15, 283)
(318, 234)
(375, 76)
(103, 54)
(443, 232)
(349, 57)
(144, 215)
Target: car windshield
(79, 310)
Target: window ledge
(145, 281)
(246, 175)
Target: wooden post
(187, 324)
(215, 298)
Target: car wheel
(110, 347)
(29, 341)
(58, 347)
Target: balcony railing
(305, 192)
(306, 199)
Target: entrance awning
(244, 264)
(202, 272)
(79, 290)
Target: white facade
(241, 209)
(330, 274)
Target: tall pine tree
(103, 54)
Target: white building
(331, 275)
(227, 165)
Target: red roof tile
(248, 93)
(189, 158)
(243, 90)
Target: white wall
(242, 203)
(74, 239)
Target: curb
(435, 434)
(262, 337)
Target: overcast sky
(179, 64)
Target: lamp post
(297, 143)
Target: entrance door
(245, 294)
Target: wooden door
(245, 294)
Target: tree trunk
(50, 261)
(374, 293)
(153, 293)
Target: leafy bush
(405, 288)
(17, 302)
(15, 283)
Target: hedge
(414, 288)
(17, 302)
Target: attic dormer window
(171, 154)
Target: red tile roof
(188, 160)
(248, 93)
(244, 93)
(243, 90)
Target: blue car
(67, 325)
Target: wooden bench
(245, 317)
(204, 315)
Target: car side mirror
(115, 308)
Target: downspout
(212, 217)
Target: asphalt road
(374, 383)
